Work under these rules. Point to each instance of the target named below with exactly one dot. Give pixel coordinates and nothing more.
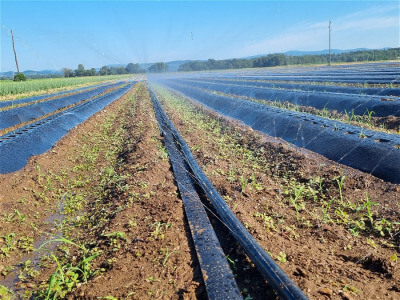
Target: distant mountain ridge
(173, 66)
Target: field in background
(11, 90)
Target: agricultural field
(295, 170)
(12, 90)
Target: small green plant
(167, 254)
(68, 275)
(158, 228)
(372, 243)
(340, 182)
(6, 293)
(350, 116)
(25, 244)
(362, 135)
(325, 112)
(325, 210)
(231, 262)
(9, 245)
(21, 217)
(243, 183)
(232, 174)
(163, 150)
(254, 183)
(267, 220)
(282, 257)
(368, 204)
(296, 197)
(369, 116)
(115, 238)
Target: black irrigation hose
(217, 275)
(278, 279)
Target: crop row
(10, 88)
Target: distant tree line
(280, 59)
(105, 70)
(158, 67)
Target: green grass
(11, 89)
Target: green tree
(68, 72)
(104, 70)
(133, 68)
(19, 77)
(80, 71)
(158, 67)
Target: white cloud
(354, 30)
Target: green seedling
(369, 116)
(20, 216)
(167, 255)
(243, 183)
(368, 204)
(10, 244)
(163, 150)
(296, 198)
(6, 293)
(158, 228)
(115, 237)
(340, 182)
(362, 135)
(255, 184)
(325, 210)
(267, 220)
(231, 262)
(350, 116)
(282, 257)
(67, 276)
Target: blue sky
(57, 34)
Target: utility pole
(15, 53)
(330, 29)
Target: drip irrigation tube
(278, 279)
(218, 278)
